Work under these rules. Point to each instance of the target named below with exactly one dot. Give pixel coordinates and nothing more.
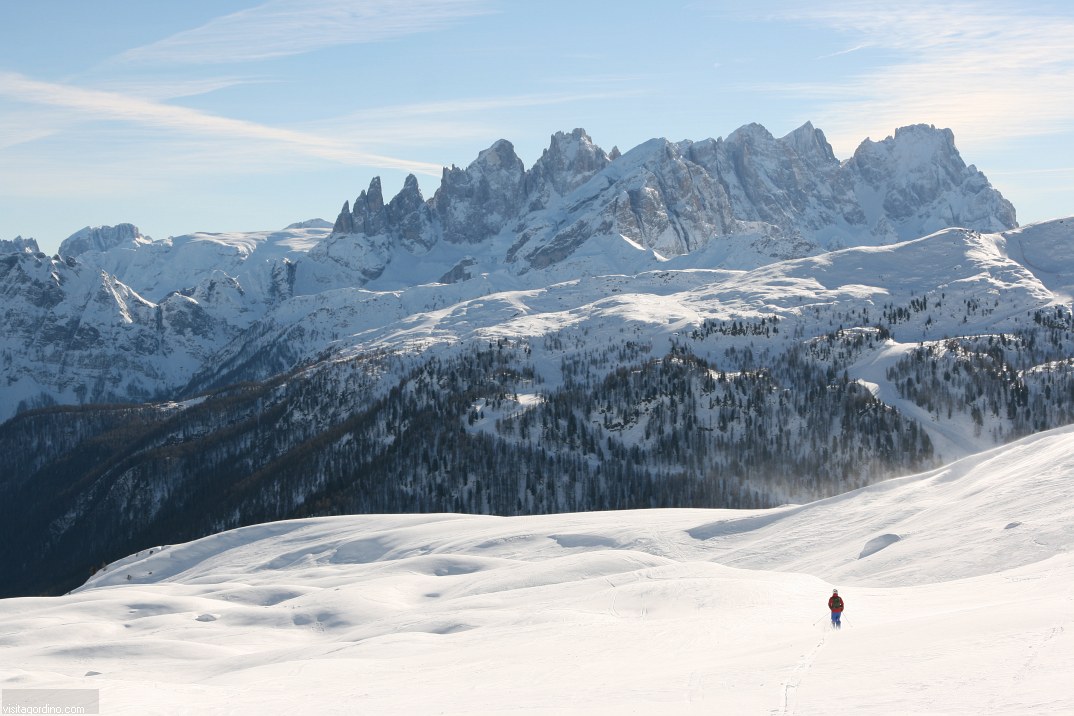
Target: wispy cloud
(165, 88)
(849, 50)
(458, 120)
(289, 27)
(102, 105)
(476, 105)
(988, 70)
(35, 122)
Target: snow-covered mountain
(680, 387)
(18, 245)
(117, 318)
(76, 334)
(600, 331)
(184, 306)
(103, 238)
(956, 584)
(750, 198)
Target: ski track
(697, 691)
(789, 687)
(1030, 663)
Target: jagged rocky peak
(911, 148)
(367, 217)
(750, 134)
(810, 144)
(407, 218)
(345, 221)
(372, 199)
(500, 156)
(102, 238)
(807, 144)
(410, 217)
(475, 203)
(19, 245)
(775, 197)
(570, 161)
(927, 186)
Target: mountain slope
(683, 387)
(681, 610)
(75, 334)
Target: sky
(230, 115)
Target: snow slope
(957, 583)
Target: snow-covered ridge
(103, 238)
(957, 580)
(250, 292)
(751, 197)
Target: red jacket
(835, 603)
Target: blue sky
(229, 115)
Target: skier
(835, 603)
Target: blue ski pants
(835, 619)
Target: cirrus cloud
(289, 27)
(989, 70)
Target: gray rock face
(667, 202)
(407, 219)
(87, 337)
(793, 183)
(101, 238)
(749, 198)
(368, 216)
(921, 184)
(475, 203)
(411, 219)
(570, 161)
(19, 245)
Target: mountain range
(115, 316)
(737, 322)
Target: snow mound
(878, 543)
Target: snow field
(649, 612)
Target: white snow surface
(958, 586)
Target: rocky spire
(570, 161)
(345, 221)
(475, 203)
(410, 218)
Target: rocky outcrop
(411, 219)
(921, 185)
(569, 162)
(85, 337)
(102, 238)
(475, 203)
(19, 245)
